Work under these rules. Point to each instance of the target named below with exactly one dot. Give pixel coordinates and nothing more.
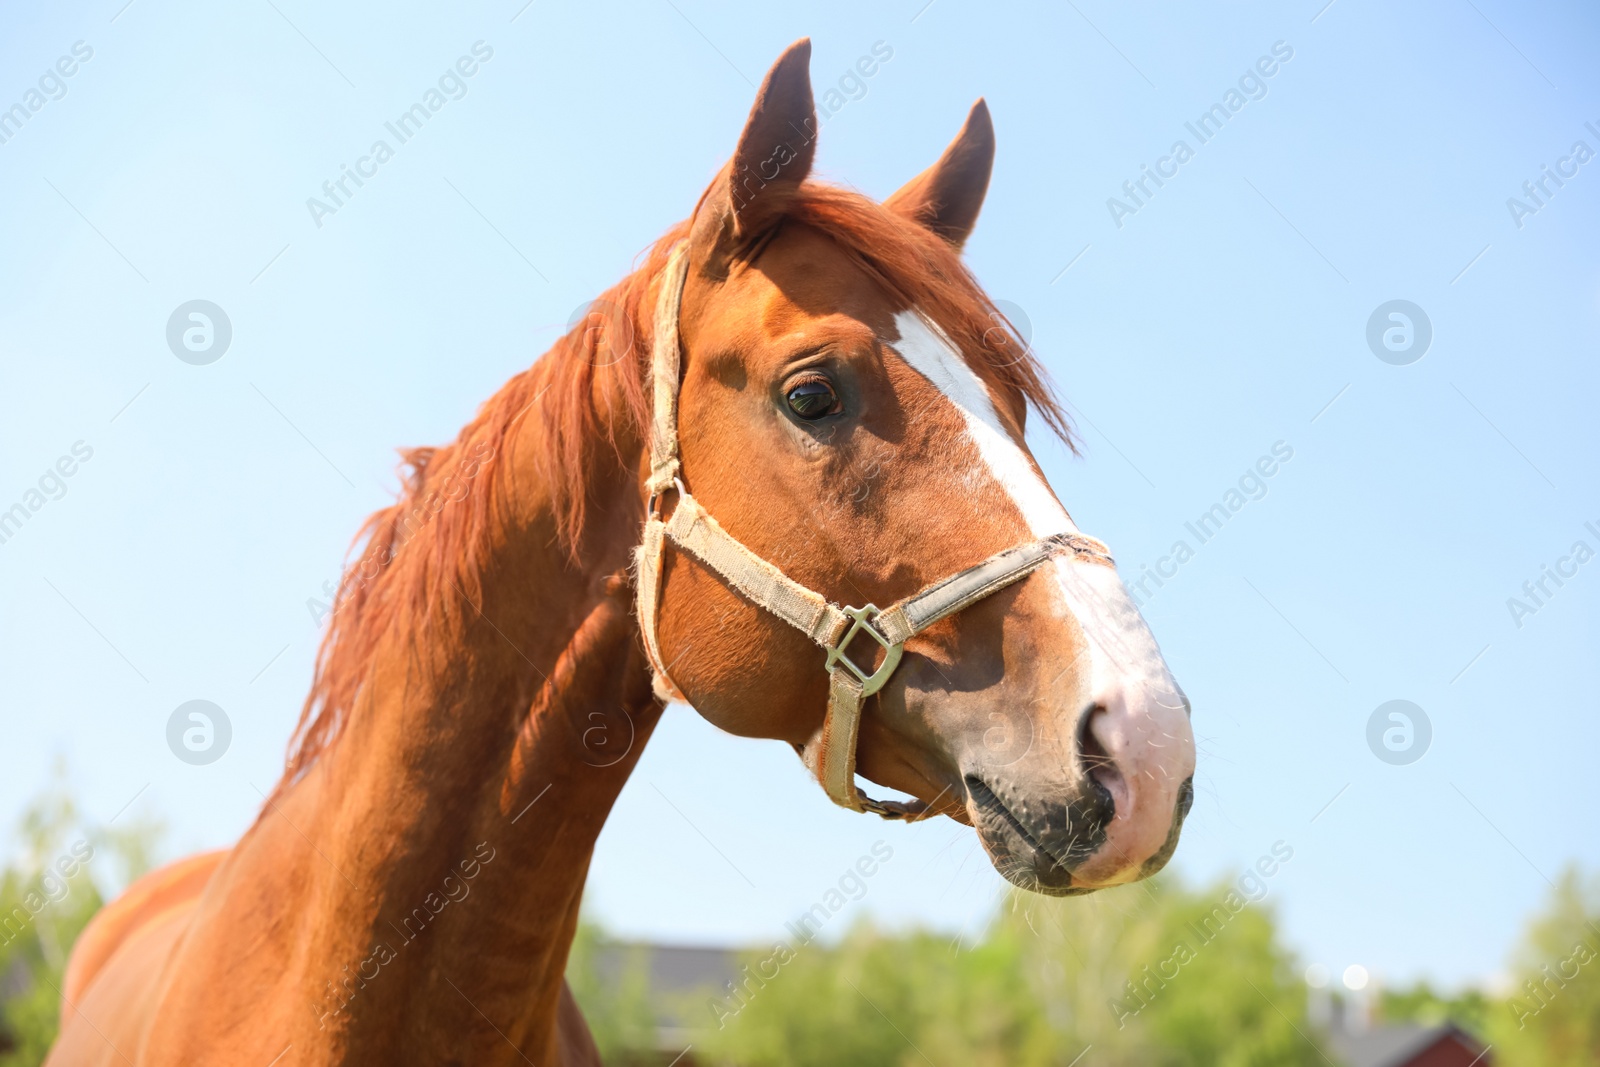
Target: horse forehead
(804, 277)
(929, 351)
(997, 453)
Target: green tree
(47, 896)
(874, 1000)
(611, 983)
(1420, 1003)
(1157, 974)
(1152, 974)
(1551, 1016)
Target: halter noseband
(831, 751)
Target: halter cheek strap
(831, 751)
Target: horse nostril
(1099, 769)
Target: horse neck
(459, 812)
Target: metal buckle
(870, 683)
(652, 506)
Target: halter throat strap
(831, 751)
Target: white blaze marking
(923, 345)
(1121, 644)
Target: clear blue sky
(1227, 314)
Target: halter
(831, 751)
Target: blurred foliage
(47, 896)
(617, 1006)
(1050, 978)
(1420, 1003)
(1551, 1015)
(1212, 987)
(1156, 974)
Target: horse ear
(774, 156)
(947, 196)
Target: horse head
(839, 420)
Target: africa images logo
(199, 332)
(337, 191)
(1252, 85)
(1399, 332)
(199, 732)
(1399, 732)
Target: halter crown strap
(664, 373)
(831, 752)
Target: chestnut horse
(847, 408)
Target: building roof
(671, 968)
(1396, 1046)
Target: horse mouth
(1021, 853)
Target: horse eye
(813, 399)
